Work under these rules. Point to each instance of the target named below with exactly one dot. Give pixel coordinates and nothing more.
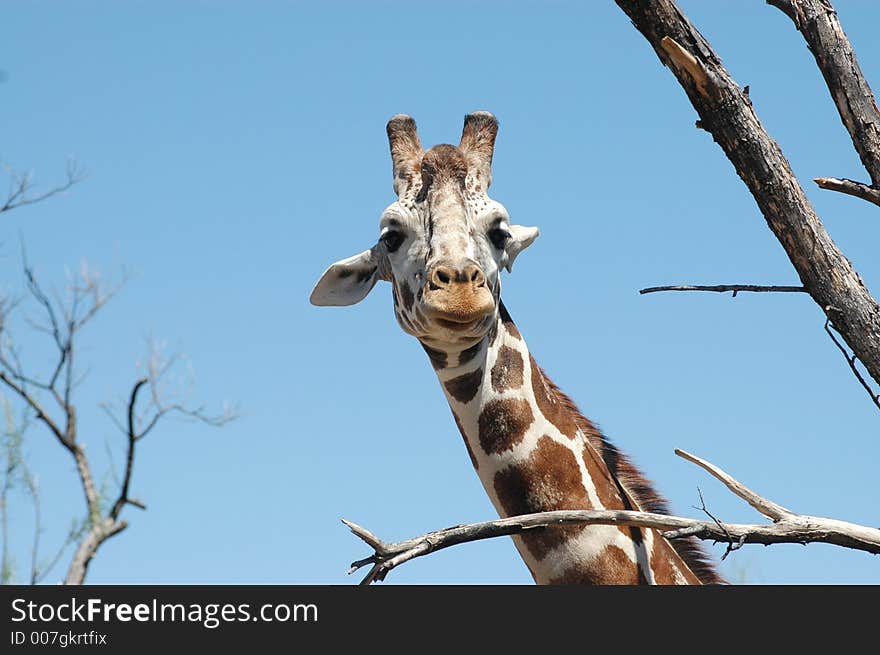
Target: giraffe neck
(534, 452)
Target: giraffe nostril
(447, 277)
(475, 276)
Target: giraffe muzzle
(456, 297)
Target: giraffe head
(442, 244)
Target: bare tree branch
(766, 507)
(38, 410)
(849, 187)
(21, 184)
(732, 545)
(787, 527)
(88, 285)
(86, 297)
(736, 288)
(157, 367)
(851, 360)
(129, 457)
(721, 288)
(817, 21)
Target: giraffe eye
(392, 240)
(499, 237)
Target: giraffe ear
(348, 281)
(520, 239)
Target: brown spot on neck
(503, 424)
(550, 479)
(507, 373)
(465, 387)
(611, 567)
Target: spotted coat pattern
(532, 454)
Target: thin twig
(851, 360)
(20, 185)
(38, 410)
(735, 288)
(731, 545)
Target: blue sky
(236, 149)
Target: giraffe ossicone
(442, 246)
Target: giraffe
(442, 245)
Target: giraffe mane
(638, 488)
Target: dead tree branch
(736, 288)
(721, 288)
(21, 187)
(37, 408)
(726, 112)
(786, 527)
(850, 187)
(732, 545)
(817, 21)
(851, 360)
(123, 498)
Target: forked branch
(21, 187)
(786, 527)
